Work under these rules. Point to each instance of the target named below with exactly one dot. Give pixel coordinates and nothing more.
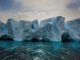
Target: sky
(38, 9)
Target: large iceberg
(52, 29)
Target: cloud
(38, 9)
(6, 4)
(11, 6)
(75, 4)
(74, 8)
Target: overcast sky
(38, 9)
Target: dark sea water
(47, 50)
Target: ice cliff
(73, 27)
(52, 29)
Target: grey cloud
(13, 6)
(75, 4)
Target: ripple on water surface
(47, 50)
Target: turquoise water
(54, 45)
(47, 50)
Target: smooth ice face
(26, 30)
(14, 29)
(58, 26)
(46, 21)
(74, 28)
(20, 30)
(58, 23)
(3, 29)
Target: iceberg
(74, 28)
(58, 26)
(19, 30)
(46, 21)
(51, 29)
(26, 28)
(3, 29)
(44, 33)
(14, 29)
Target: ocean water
(51, 45)
(48, 50)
